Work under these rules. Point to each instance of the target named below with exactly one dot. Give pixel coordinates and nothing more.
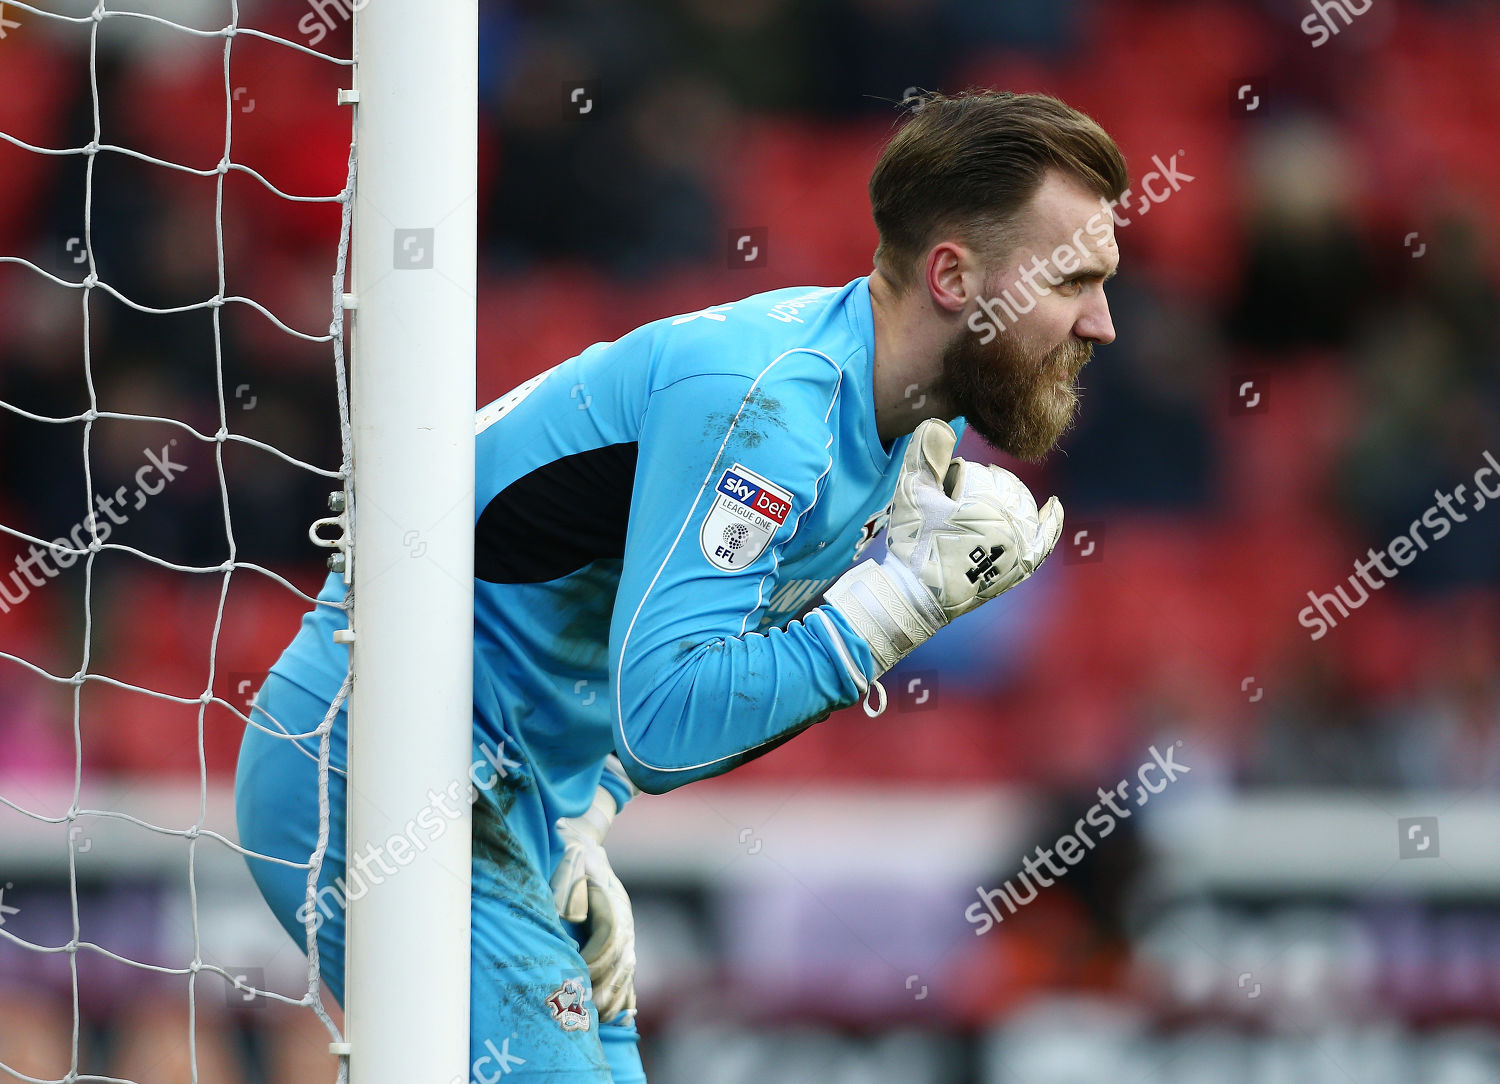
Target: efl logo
(745, 515)
(757, 498)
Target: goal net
(180, 237)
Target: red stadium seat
(34, 91)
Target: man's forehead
(1061, 207)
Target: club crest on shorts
(743, 519)
(567, 1005)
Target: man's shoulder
(748, 335)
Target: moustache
(1070, 358)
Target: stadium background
(1334, 254)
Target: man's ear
(952, 275)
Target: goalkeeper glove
(586, 889)
(960, 533)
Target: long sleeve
(728, 468)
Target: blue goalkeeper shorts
(532, 1010)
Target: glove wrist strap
(595, 822)
(888, 607)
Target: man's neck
(904, 367)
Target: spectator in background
(1430, 384)
(1309, 278)
(1321, 730)
(620, 174)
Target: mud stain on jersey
(752, 422)
(687, 647)
(586, 602)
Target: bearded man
(665, 527)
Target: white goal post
(413, 400)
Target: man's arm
(696, 693)
(700, 695)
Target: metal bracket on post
(342, 561)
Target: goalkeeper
(664, 531)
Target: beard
(1019, 403)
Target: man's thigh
(531, 1005)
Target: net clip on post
(343, 560)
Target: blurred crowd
(1305, 354)
(1303, 351)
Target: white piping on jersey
(488, 415)
(713, 467)
(817, 494)
(856, 675)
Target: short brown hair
(965, 165)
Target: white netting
(87, 37)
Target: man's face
(1011, 370)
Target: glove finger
(930, 450)
(619, 973)
(614, 988)
(614, 999)
(611, 932)
(614, 981)
(1050, 528)
(960, 477)
(569, 892)
(602, 952)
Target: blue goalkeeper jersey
(656, 520)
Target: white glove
(960, 533)
(586, 889)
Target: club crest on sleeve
(567, 1005)
(746, 511)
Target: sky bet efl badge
(746, 511)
